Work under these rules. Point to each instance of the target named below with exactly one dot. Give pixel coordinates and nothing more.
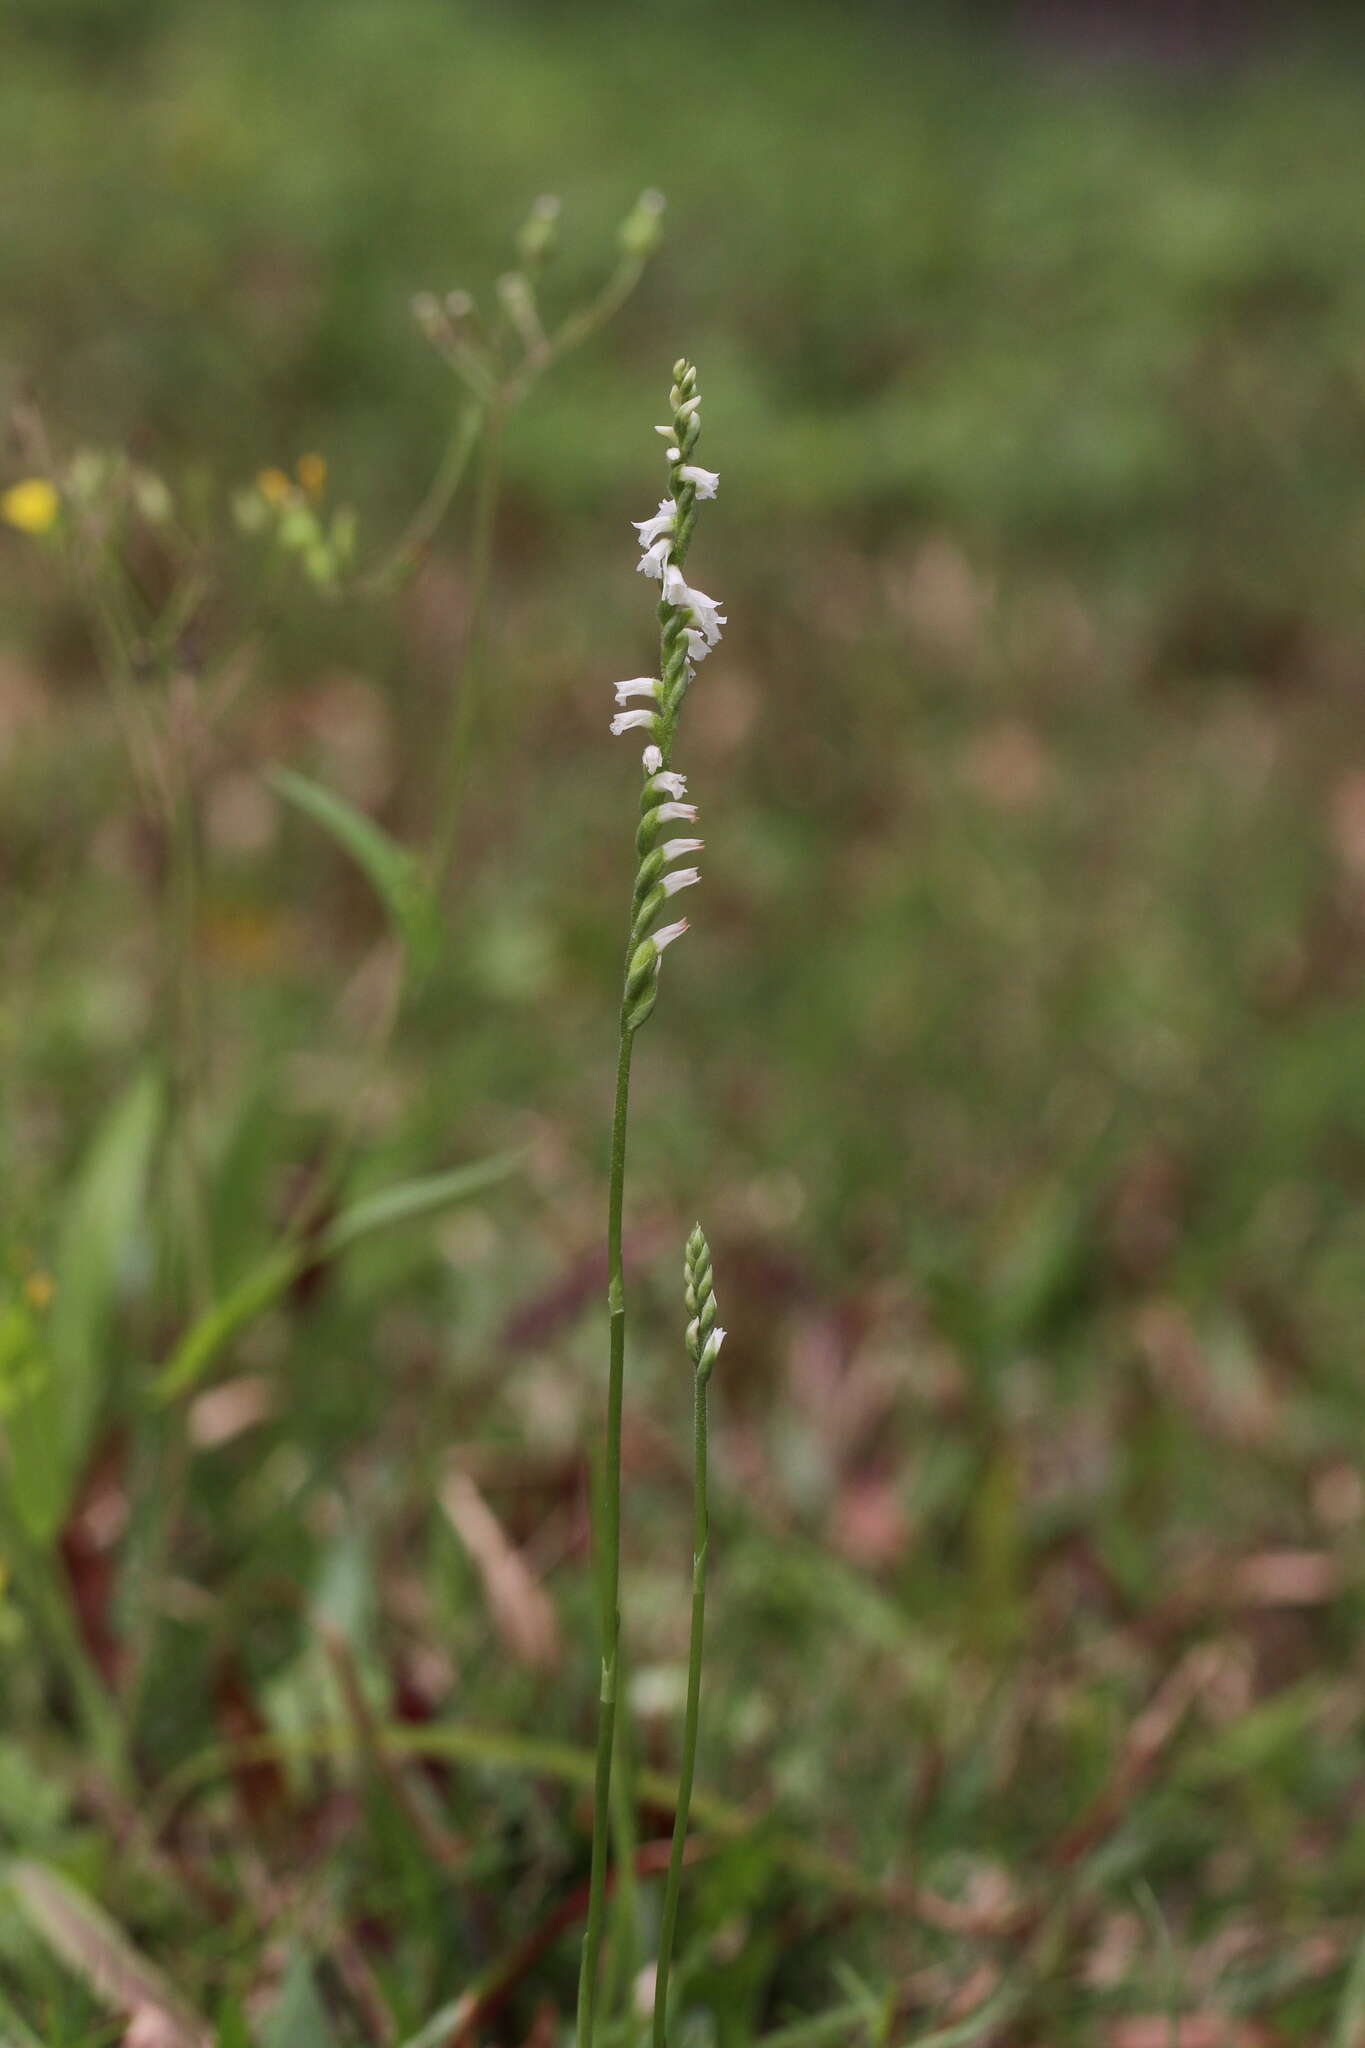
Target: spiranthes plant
(690, 625)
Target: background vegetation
(1015, 1061)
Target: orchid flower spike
(704, 1337)
(691, 627)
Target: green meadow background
(1015, 1062)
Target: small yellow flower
(312, 474)
(32, 506)
(39, 1289)
(274, 485)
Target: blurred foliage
(1016, 1061)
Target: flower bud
(643, 225)
(535, 238)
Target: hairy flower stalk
(704, 1339)
(689, 627)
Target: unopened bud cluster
(690, 626)
(512, 342)
(704, 1334)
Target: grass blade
(391, 870)
(83, 1936)
(266, 1282)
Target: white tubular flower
(698, 647)
(707, 617)
(654, 561)
(638, 686)
(707, 614)
(681, 814)
(681, 878)
(651, 530)
(711, 1349)
(672, 784)
(651, 760)
(667, 933)
(705, 481)
(674, 849)
(629, 721)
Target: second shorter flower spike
(704, 1337)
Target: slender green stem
(38, 1571)
(668, 1925)
(622, 1937)
(404, 556)
(184, 1009)
(472, 662)
(609, 1524)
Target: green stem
(472, 663)
(669, 1922)
(39, 1572)
(420, 529)
(610, 1570)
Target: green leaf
(393, 872)
(90, 1943)
(413, 1198)
(1349, 2030)
(266, 1282)
(49, 1427)
(298, 2018)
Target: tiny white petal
(672, 783)
(654, 561)
(707, 481)
(675, 585)
(667, 933)
(638, 686)
(650, 530)
(690, 407)
(698, 646)
(681, 878)
(680, 814)
(651, 760)
(707, 614)
(626, 721)
(674, 849)
(711, 1351)
(667, 432)
(674, 454)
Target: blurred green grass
(1016, 1060)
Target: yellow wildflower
(32, 506)
(39, 1289)
(312, 474)
(274, 485)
